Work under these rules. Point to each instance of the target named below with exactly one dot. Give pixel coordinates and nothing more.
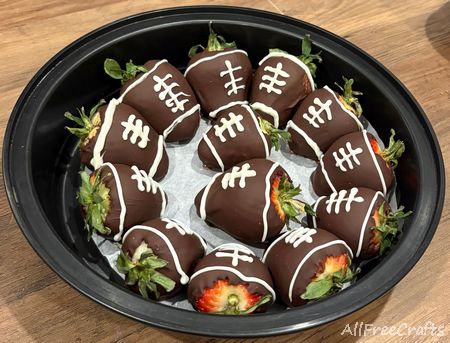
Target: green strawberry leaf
(215, 43)
(113, 69)
(394, 151)
(86, 123)
(350, 96)
(317, 289)
(275, 135)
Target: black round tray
(40, 161)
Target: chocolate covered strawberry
(220, 74)
(161, 94)
(281, 81)
(356, 160)
(238, 135)
(158, 256)
(231, 280)
(323, 117)
(116, 197)
(308, 264)
(117, 133)
(252, 202)
(361, 217)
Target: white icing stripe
(209, 58)
(158, 157)
(313, 145)
(183, 228)
(205, 196)
(366, 219)
(239, 275)
(350, 113)
(179, 119)
(141, 79)
(123, 207)
(316, 205)
(308, 255)
(374, 159)
(268, 201)
(273, 244)
(233, 246)
(97, 158)
(184, 277)
(293, 59)
(164, 201)
(213, 151)
(258, 127)
(259, 106)
(213, 114)
(325, 174)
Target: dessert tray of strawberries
(223, 171)
(197, 180)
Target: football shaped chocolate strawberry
(356, 160)
(281, 81)
(161, 94)
(323, 117)
(361, 217)
(308, 264)
(117, 133)
(231, 280)
(252, 202)
(238, 135)
(220, 74)
(158, 257)
(116, 197)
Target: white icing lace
(349, 157)
(232, 86)
(299, 236)
(144, 181)
(242, 173)
(273, 80)
(227, 125)
(137, 130)
(337, 199)
(166, 93)
(314, 117)
(235, 256)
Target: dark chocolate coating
(283, 260)
(246, 145)
(141, 206)
(239, 211)
(297, 87)
(120, 151)
(363, 175)
(146, 100)
(348, 225)
(324, 135)
(250, 269)
(188, 248)
(209, 86)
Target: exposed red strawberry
(282, 196)
(329, 278)
(384, 233)
(392, 153)
(225, 298)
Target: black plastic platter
(40, 160)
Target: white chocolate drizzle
(316, 205)
(325, 174)
(350, 113)
(313, 116)
(258, 128)
(259, 106)
(183, 230)
(184, 278)
(349, 157)
(166, 93)
(229, 125)
(240, 173)
(179, 119)
(340, 197)
(210, 58)
(293, 59)
(300, 235)
(312, 144)
(144, 181)
(158, 157)
(268, 201)
(214, 151)
(213, 114)
(123, 207)
(272, 79)
(233, 86)
(137, 130)
(236, 272)
(364, 224)
(224, 251)
(205, 196)
(375, 162)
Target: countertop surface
(411, 38)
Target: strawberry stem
(276, 135)
(113, 69)
(324, 286)
(141, 269)
(87, 123)
(94, 199)
(215, 43)
(349, 96)
(394, 151)
(387, 226)
(233, 305)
